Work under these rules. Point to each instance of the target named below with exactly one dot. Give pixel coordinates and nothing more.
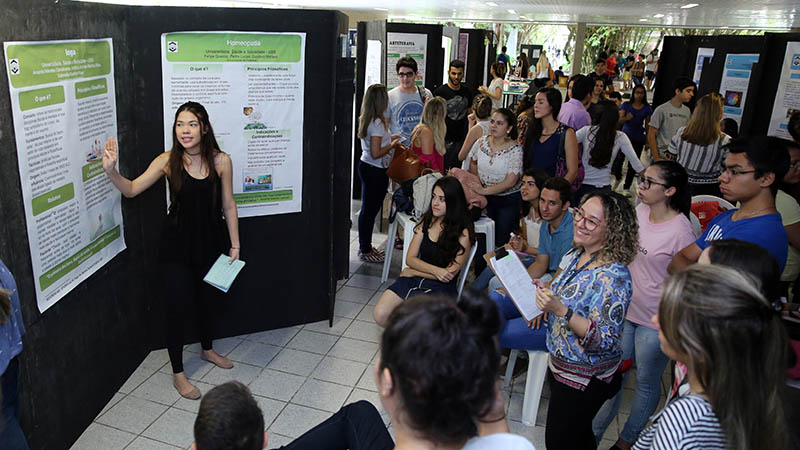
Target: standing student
(669, 117)
(482, 113)
(428, 137)
(637, 70)
(627, 66)
(699, 146)
(503, 59)
(543, 66)
(597, 95)
(201, 222)
(573, 113)
(11, 331)
(524, 65)
(550, 145)
(650, 68)
(636, 119)
(600, 73)
(601, 142)
(664, 229)
(377, 148)
(714, 320)
(495, 89)
(611, 64)
(459, 100)
(407, 99)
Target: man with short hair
(459, 98)
(573, 112)
(600, 73)
(557, 74)
(627, 65)
(751, 173)
(650, 68)
(406, 100)
(670, 116)
(611, 63)
(503, 58)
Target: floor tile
(354, 350)
(277, 337)
(375, 298)
(276, 385)
(174, 427)
(365, 331)
(339, 371)
(241, 372)
(156, 359)
(533, 434)
(114, 400)
(270, 408)
(366, 314)
(276, 440)
(312, 342)
(344, 308)
(143, 443)
(372, 397)
(132, 414)
(137, 377)
(158, 388)
(295, 420)
(193, 406)
(295, 361)
(101, 437)
(339, 325)
(367, 380)
(364, 281)
(322, 395)
(254, 353)
(194, 367)
(221, 346)
(354, 294)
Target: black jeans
(11, 436)
(373, 189)
(185, 291)
(357, 426)
(570, 412)
(620, 161)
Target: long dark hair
(603, 133)
(443, 357)
(535, 126)
(524, 104)
(454, 222)
(208, 147)
(540, 177)
(644, 91)
(675, 175)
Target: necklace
(193, 154)
(755, 213)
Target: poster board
(405, 44)
(463, 51)
(252, 87)
(787, 97)
(735, 82)
(702, 54)
(64, 108)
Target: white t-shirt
(496, 83)
(532, 228)
(601, 176)
(790, 214)
(376, 128)
(651, 63)
(493, 169)
(505, 441)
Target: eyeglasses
(645, 182)
(589, 223)
(733, 172)
(405, 74)
(794, 164)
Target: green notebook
(222, 274)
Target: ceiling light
(381, 9)
(491, 4)
(689, 5)
(511, 11)
(642, 20)
(658, 16)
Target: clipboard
(516, 281)
(222, 274)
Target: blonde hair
(373, 106)
(735, 345)
(433, 117)
(704, 128)
(542, 63)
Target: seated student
(555, 239)
(789, 209)
(750, 176)
(715, 321)
(438, 251)
(480, 126)
(427, 138)
(527, 239)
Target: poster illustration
(787, 98)
(405, 44)
(735, 80)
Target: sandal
(372, 257)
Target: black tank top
(195, 231)
(427, 250)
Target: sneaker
(372, 257)
(378, 251)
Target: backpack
(402, 199)
(423, 188)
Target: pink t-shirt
(658, 243)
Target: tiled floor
(299, 375)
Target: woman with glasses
(699, 146)
(664, 229)
(585, 307)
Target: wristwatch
(568, 315)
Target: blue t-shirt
(502, 58)
(12, 331)
(634, 127)
(557, 244)
(766, 231)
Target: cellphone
(500, 252)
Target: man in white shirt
(650, 67)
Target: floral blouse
(494, 168)
(601, 295)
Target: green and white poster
(64, 109)
(405, 44)
(252, 86)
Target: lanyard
(574, 272)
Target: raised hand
(110, 155)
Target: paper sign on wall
(787, 99)
(405, 44)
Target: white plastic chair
(712, 198)
(537, 370)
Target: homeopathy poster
(787, 98)
(405, 44)
(735, 82)
(252, 86)
(64, 109)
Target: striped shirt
(684, 424)
(702, 162)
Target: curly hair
(622, 230)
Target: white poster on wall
(702, 54)
(64, 108)
(735, 80)
(252, 86)
(405, 44)
(463, 51)
(373, 63)
(787, 99)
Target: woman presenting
(195, 232)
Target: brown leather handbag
(405, 165)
